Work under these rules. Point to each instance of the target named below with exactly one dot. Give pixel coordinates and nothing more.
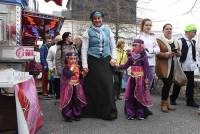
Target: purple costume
(72, 97)
(137, 95)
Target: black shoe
(110, 117)
(192, 104)
(172, 102)
(77, 119)
(68, 119)
(57, 97)
(147, 112)
(150, 112)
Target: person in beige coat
(169, 51)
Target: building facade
(115, 11)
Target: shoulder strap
(159, 40)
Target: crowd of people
(88, 75)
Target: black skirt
(98, 87)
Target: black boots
(192, 104)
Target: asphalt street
(184, 120)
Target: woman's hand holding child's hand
(85, 72)
(113, 62)
(116, 65)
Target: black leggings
(117, 83)
(56, 87)
(167, 84)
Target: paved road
(183, 121)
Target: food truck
(19, 31)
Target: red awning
(35, 25)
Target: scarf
(169, 41)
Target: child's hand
(76, 69)
(147, 86)
(147, 83)
(85, 72)
(72, 67)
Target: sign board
(16, 53)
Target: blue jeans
(153, 82)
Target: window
(1, 30)
(8, 25)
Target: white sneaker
(130, 118)
(140, 118)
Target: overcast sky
(176, 12)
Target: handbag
(179, 75)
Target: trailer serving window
(10, 25)
(1, 30)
